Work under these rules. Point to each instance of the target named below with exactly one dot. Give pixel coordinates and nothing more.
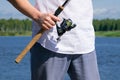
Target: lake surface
(108, 55)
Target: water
(108, 53)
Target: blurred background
(15, 33)
(102, 9)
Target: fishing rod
(38, 35)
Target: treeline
(16, 25)
(107, 25)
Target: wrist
(36, 16)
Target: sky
(102, 9)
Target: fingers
(47, 25)
(47, 21)
(54, 18)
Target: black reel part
(66, 25)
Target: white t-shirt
(79, 40)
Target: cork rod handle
(28, 47)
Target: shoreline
(108, 33)
(98, 33)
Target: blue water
(108, 55)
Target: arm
(26, 8)
(46, 20)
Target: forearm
(46, 20)
(26, 8)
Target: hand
(47, 20)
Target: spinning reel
(66, 25)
